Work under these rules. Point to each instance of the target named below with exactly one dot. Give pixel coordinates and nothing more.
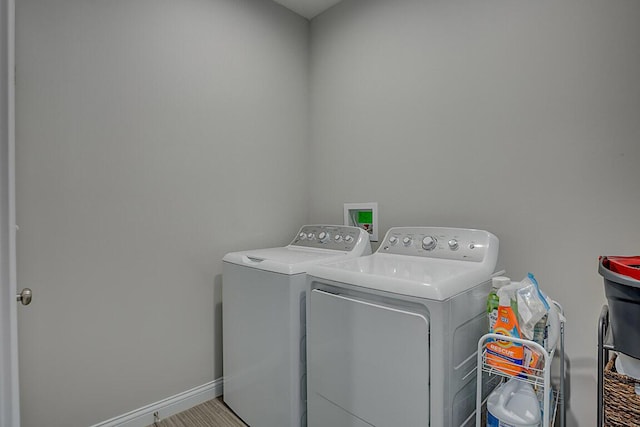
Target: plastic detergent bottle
(506, 356)
(513, 404)
(493, 301)
(540, 332)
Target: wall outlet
(363, 215)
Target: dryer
(263, 322)
(392, 337)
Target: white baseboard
(165, 408)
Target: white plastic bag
(532, 306)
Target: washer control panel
(460, 244)
(339, 238)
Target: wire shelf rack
(491, 365)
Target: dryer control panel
(335, 237)
(461, 244)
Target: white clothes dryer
(263, 322)
(392, 337)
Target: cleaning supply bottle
(540, 332)
(513, 404)
(506, 356)
(493, 301)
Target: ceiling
(308, 8)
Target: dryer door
(367, 363)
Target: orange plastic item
(532, 361)
(626, 265)
(506, 356)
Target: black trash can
(623, 295)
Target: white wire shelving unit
(552, 408)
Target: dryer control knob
(302, 236)
(311, 236)
(323, 236)
(337, 238)
(453, 244)
(429, 243)
(348, 239)
(406, 241)
(393, 240)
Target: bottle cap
(500, 281)
(504, 299)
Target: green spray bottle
(493, 300)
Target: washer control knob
(311, 236)
(393, 240)
(323, 236)
(407, 241)
(337, 238)
(429, 243)
(348, 239)
(302, 236)
(453, 244)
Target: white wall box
(363, 215)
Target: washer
(263, 321)
(392, 337)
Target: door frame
(9, 384)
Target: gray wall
(522, 118)
(153, 137)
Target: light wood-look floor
(213, 413)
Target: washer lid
(312, 244)
(430, 278)
(287, 260)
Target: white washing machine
(263, 321)
(392, 337)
